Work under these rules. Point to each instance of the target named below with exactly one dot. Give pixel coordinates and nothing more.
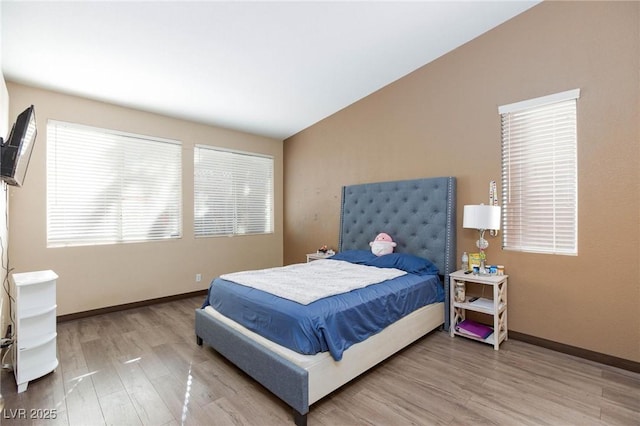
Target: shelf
(480, 279)
(495, 305)
(34, 315)
(482, 305)
(28, 344)
(34, 278)
(34, 312)
(490, 339)
(44, 368)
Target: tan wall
(99, 276)
(443, 120)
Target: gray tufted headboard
(419, 214)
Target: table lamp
(481, 217)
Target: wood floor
(142, 366)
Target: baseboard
(613, 361)
(116, 308)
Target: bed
(420, 215)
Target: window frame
(143, 202)
(532, 131)
(233, 225)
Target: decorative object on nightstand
(481, 217)
(474, 261)
(495, 307)
(459, 291)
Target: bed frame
(420, 215)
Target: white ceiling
(269, 68)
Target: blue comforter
(333, 323)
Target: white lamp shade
(481, 217)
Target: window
(106, 187)
(539, 175)
(233, 192)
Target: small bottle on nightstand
(465, 261)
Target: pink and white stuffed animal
(383, 244)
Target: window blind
(233, 192)
(539, 175)
(106, 187)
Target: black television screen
(16, 151)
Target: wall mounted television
(15, 152)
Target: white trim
(112, 132)
(233, 151)
(543, 100)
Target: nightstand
(315, 256)
(477, 300)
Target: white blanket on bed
(307, 282)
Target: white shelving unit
(34, 311)
(496, 306)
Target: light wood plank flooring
(143, 367)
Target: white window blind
(539, 175)
(233, 192)
(106, 187)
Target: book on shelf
(474, 260)
(474, 329)
(483, 303)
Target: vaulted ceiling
(269, 68)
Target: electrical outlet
(198, 278)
